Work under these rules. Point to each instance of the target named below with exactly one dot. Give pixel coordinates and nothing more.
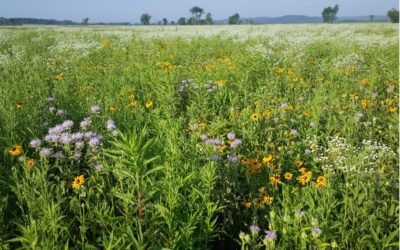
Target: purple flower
(254, 229)
(95, 109)
(283, 105)
(85, 123)
(316, 232)
(299, 213)
(35, 143)
(61, 112)
(65, 138)
(58, 155)
(232, 158)
(77, 155)
(98, 167)
(270, 235)
(77, 136)
(181, 88)
(111, 125)
(217, 142)
(209, 141)
(95, 141)
(114, 133)
(203, 137)
(52, 138)
(79, 144)
(46, 152)
(90, 134)
(56, 130)
(390, 89)
(214, 157)
(231, 136)
(235, 143)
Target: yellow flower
(78, 181)
(321, 182)
(279, 70)
(114, 108)
(305, 178)
(364, 81)
(288, 176)
(263, 191)
(220, 82)
(131, 104)
(19, 105)
(302, 170)
(306, 113)
(393, 109)
(106, 43)
(299, 163)
(268, 199)
(275, 179)
(389, 101)
(268, 158)
(290, 71)
(16, 150)
(149, 104)
(364, 103)
(254, 117)
(29, 163)
(247, 204)
(59, 76)
(353, 96)
(384, 165)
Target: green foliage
(234, 19)
(329, 14)
(393, 15)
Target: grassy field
(199, 137)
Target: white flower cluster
(340, 156)
(348, 61)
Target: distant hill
(304, 19)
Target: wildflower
(288, 176)
(114, 108)
(95, 109)
(305, 178)
(19, 105)
(51, 99)
(279, 70)
(220, 82)
(290, 71)
(231, 136)
(364, 103)
(299, 213)
(283, 105)
(111, 125)
(95, 141)
(106, 43)
(267, 159)
(316, 232)
(61, 112)
(312, 124)
(263, 191)
(254, 117)
(35, 143)
(268, 199)
(46, 152)
(254, 229)
(235, 143)
(114, 133)
(149, 104)
(321, 182)
(364, 81)
(58, 155)
(15, 150)
(275, 179)
(203, 137)
(214, 157)
(393, 109)
(78, 181)
(232, 158)
(59, 76)
(77, 155)
(85, 123)
(79, 144)
(247, 203)
(390, 89)
(29, 163)
(299, 163)
(271, 235)
(294, 132)
(131, 104)
(98, 167)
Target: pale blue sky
(130, 10)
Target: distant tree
(85, 20)
(165, 21)
(192, 21)
(197, 12)
(235, 19)
(209, 19)
(393, 14)
(329, 14)
(371, 18)
(172, 22)
(145, 19)
(182, 21)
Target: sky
(131, 10)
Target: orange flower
(29, 163)
(19, 105)
(16, 150)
